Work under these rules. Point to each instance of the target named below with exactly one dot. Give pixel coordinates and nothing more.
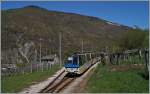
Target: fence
(135, 56)
(127, 57)
(34, 66)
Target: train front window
(70, 60)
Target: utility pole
(60, 48)
(40, 54)
(46, 51)
(31, 68)
(35, 58)
(82, 46)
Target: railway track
(59, 83)
(64, 83)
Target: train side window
(83, 59)
(80, 60)
(75, 60)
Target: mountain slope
(29, 24)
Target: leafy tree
(146, 39)
(133, 39)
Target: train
(78, 63)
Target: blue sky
(128, 13)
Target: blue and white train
(79, 63)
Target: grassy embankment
(117, 79)
(17, 82)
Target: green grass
(106, 81)
(18, 82)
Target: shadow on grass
(145, 75)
